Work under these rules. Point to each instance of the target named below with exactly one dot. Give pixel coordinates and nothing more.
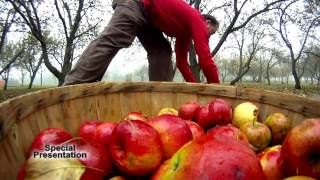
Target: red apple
(22, 171)
(51, 136)
(301, 150)
(203, 118)
(258, 134)
(98, 160)
(103, 133)
(189, 110)
(279, 125)
(136, 148)
(228, 131)
(87, 128)
(272, 163)
(135, 116)
(196, 130)
(220, 112)
(174, 132)
(207, 158)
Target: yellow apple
(299, 178)
(168, 110)
(244, 113)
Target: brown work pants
(128, 21)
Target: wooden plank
(135, 102)
(161, 100)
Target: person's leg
(120, 33)
(159, 54)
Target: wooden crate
(67, 107)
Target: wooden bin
(67, 107)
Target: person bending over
(148, 20)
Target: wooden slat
(139, 102)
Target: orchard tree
(73, 19)
(307, 24)
(246, 55)
(237, 15)
(9, 17)
(10, 53)
(313, 65)
(32, 58)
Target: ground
(311, 91)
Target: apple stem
(74, 139)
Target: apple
(135, 116)
(203, 118)
(272, 163)
(301, 149)
(118, 178)
(299, 178)
(87, 129)
(174, 132)
(258, 134)
(22, 171)
(168, 111)
(98, 160)
(279, 125)
(51, 136)
(136, 147)
(207, 158)
(103, 133)
(245, 112)
(162, 168)
(228, 131)
(220, 112)
(189, 110)
(195, 128)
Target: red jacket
(178, 19)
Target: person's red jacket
(178, 19)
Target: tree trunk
(6, 79)
(194, 65)
(295, 76)
(34, 73)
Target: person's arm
(201, 42)
(181, 49)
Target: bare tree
(236, 23)
(5, 27)
(270, 65)
(256, 35)
(10, 54)
(284, 20)
(70, 18)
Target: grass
(17, 91)
(307, 90)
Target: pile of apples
(194, 142)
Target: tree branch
(62, 19)
(13, 59)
